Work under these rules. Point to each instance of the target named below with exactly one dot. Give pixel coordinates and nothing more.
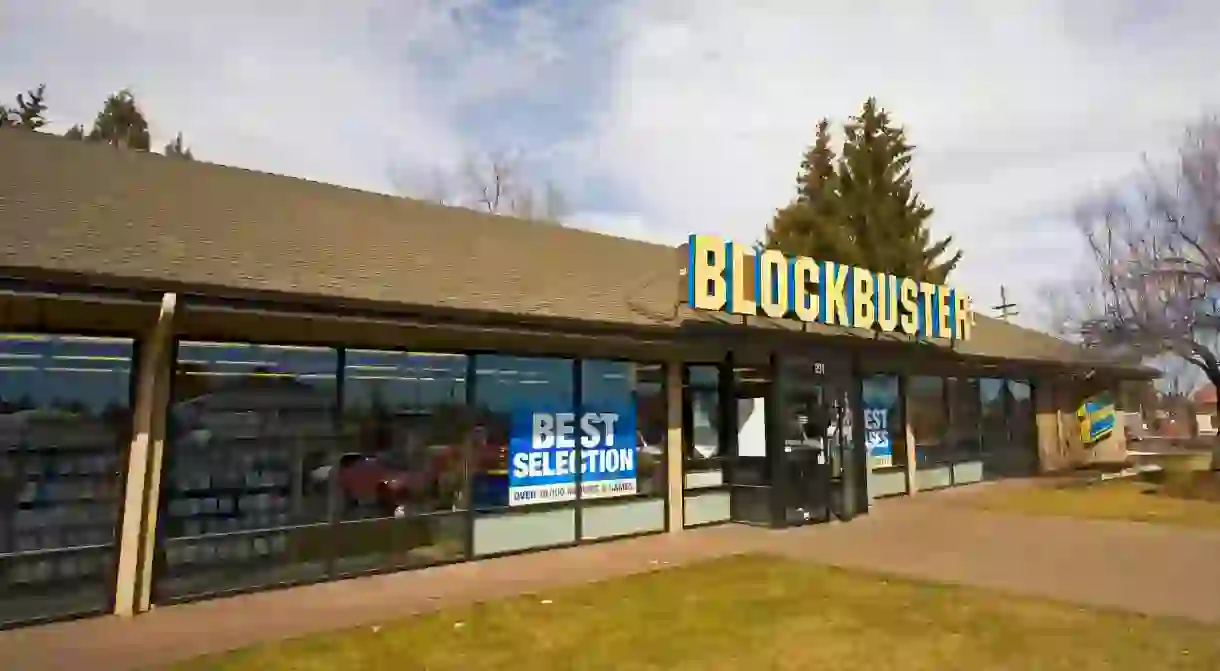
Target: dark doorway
(817, 446)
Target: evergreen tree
(76, 132)
(861, 208)
(121, 123)
(30, 112)
(879, 202)
(178, 149)
(810, 225)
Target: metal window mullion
(468, 456)
(332, 486)
(578, 398)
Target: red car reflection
(378, 482)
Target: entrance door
(817, 443)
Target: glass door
(818, 444)
(806, 468)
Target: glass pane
(506, 387)
(964, 398)
(253, 431)
(883, 431)
(65, 428)
(929, 420)
(395, 543)
(1021, 420)
(637, 389)
(703, 376)
(405, 418)
(993, 399)
(212, 563)
(702, 420)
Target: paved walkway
(1143, 568)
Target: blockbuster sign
(722, 276)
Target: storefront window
(637, 389)
(1021, 422)
(702, 423)
(963, 397)
(884, 434)
(611, 504)
(64, 430)
(244, 488)
(405, 419)
(993, 399)
(508, 391)
(929, 420)
(523, 497)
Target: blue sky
(657, 117)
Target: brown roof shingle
(126, 218)
(87, 208)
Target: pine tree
(879, 203)
(810, 224)
(861, 208)
(178, 149)
(30, 112)
(121, 123)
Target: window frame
(470, 401)
(720, 462)
(135, 370)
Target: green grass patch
(1188, 499)
(751, 612)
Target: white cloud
(322, 90)
(1016, 109)
(657, 118)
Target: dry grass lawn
(1188, 499)
(752, 613)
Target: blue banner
(546, 450)
(877, 437)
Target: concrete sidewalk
(1143, 568)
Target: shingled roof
(132, 219)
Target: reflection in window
(251, 427)
(504, 384)
(884, 435)
(405, 421)
(701, 421)
(929, 421)
(64, 430)
(636, 388)
(1008, 428)
(993, 399)
(405, 414)
(963, 398)
(1021, 417)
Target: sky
(658, 118)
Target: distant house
(1204, 403)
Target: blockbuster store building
(214, 380)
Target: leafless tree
(497, 184)
(1153, 286)
(1062, 306)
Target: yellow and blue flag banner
(1097, 419)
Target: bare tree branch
(497, 183)
(1154, 284)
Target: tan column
(912, 485)
(144, 464)
(1049, 426)
(673, 445)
